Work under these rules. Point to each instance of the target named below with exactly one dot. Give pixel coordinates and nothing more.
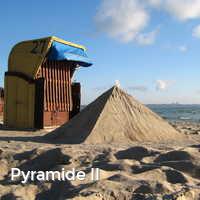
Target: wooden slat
(65, 87)
(55, 85)
(48, 86)
(67, 92)
(68, 84)
(45, 87)
(61, 93)
(58, 86)
(61, 77)
(51, 87)
(61, 88)
(64, 93)
(55, 81)
(47, 83)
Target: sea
(177, 112)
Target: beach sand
(138, 171)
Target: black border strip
(20, 75)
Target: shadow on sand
(46, 137)
(37, 139)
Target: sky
(150, 47)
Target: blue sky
(151, 46)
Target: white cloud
(183, 9)
(140, 88)
(101, 88)
(163, 85)
(121, 19)
(196, 32)
(154, 3)
(183, 48)
(126, 20)
(147, 38)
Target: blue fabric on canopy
(60, 51)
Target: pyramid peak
(117, 83)
(116, 89)
(113, 91)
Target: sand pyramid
(117, 117)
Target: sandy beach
(100, 100)
(138, 171)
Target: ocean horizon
(175, 112)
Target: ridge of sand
(115, 116)
(137, 171)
